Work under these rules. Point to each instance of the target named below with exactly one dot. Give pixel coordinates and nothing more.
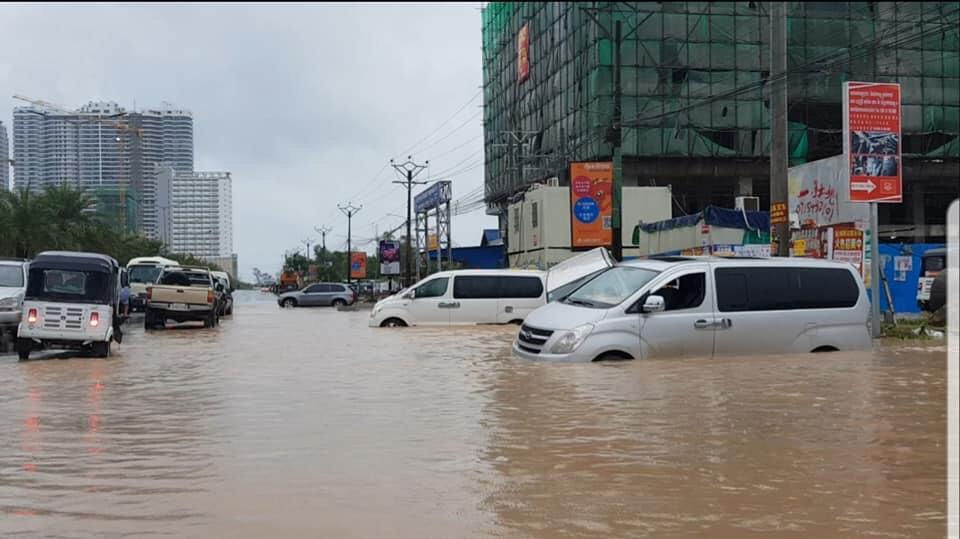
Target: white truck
(141, 272)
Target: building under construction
(694, 106)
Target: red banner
(848, 246)
(358, 265)
(591, 204)
(523, 53)
(872, 139)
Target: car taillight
(32, 316)
(209, 296)
(149, 293)
(94, 319)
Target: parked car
(319, 294)
(703, 307)
(71, 301)
(182, 294)
(226, 296)
(142, 271)
(483, 296)
(13, 286)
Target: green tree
(26, 223)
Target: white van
(484, 296)
(142, 271)
(703, 307)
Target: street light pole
(409, 170)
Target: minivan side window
(520, 287)
(825, 288)
(433, 289)
(686, 292)
(771, 289)
(476, 287)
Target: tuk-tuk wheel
(101, 349)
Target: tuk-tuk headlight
(571, 340)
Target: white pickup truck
(182, 295)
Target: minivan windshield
(11, 276)
(144, 273)
(611, 287)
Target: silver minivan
(702, 307)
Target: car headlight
(11, 302)
(572, 339)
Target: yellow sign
(432, 243)
(799, 247)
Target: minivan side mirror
(653, 304)
(411, 294)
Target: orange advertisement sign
(358, 265)
(591, 204)
(523, 53)
(778, 213)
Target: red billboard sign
(523, 53)
(871, 138)
(591, 204)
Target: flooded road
(305, 423)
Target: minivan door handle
(450, 305)
(703, 324)
(725, 323)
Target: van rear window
(777, 289)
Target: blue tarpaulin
(712, 215)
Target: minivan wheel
(613, 356)
(289, 303)
(393, 323)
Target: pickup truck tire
(211, 320)
(101, 349)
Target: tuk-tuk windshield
(70, 286)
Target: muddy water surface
(306, 423)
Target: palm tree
(26, 223)
(73, 221)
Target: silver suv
(13, 285)
(334, 294)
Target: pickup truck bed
(180, 303)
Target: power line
(439, 127)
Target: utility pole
(616, 136)
(349, 210)
(322, 230)
(408, 171)
(307, 242)
(778, 123)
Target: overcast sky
(303, 104)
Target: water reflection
(304, 423)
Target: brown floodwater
(306, 423)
